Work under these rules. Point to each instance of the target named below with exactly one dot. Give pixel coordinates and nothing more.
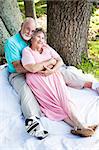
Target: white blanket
(13, 135)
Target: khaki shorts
(74, 77)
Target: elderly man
(30, 108)
(13, 52)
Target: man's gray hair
(27, 20)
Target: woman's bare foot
(94, 127)
(85, 132)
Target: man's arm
(19, 68)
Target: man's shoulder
(12, 39)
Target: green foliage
(41, 10)
(40, 6)
(93, 8)
(94, 21)
(94, 50)
(90, 64)
(40, 2)
(21, 6)
(86, 64)
(20, 0)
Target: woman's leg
(82, 131)
(79, 129)
(73, 121)
(69, 122)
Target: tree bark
(30, 8)
(10, 21)
(3, 36)
(68, 23)
(11, 16)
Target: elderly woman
(48, 85)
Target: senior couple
(38, 74)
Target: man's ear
(21, 25)
(31, 40)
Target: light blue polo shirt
(13, 50)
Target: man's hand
(19, 68)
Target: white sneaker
(34, 127)
(95, 86)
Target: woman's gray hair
(38, 30)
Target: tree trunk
(30, 8)
(10, 21)
(68, 23)
(11, 16)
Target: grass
(94, 55)
(94, 50)
(90, 64)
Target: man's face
(27, 30)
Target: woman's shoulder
(46, 47)
(27, 48)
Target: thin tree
(30, 8)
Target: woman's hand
(50, 66)
(47, 72)
(52, 61)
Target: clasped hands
(49, 69)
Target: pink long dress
(50, 91)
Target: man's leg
(29, 105)
(77, 79)
(73, 77)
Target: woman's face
(38, 40)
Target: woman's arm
(56, 56)
(59, 63)
(49, 71)
(34, 68)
